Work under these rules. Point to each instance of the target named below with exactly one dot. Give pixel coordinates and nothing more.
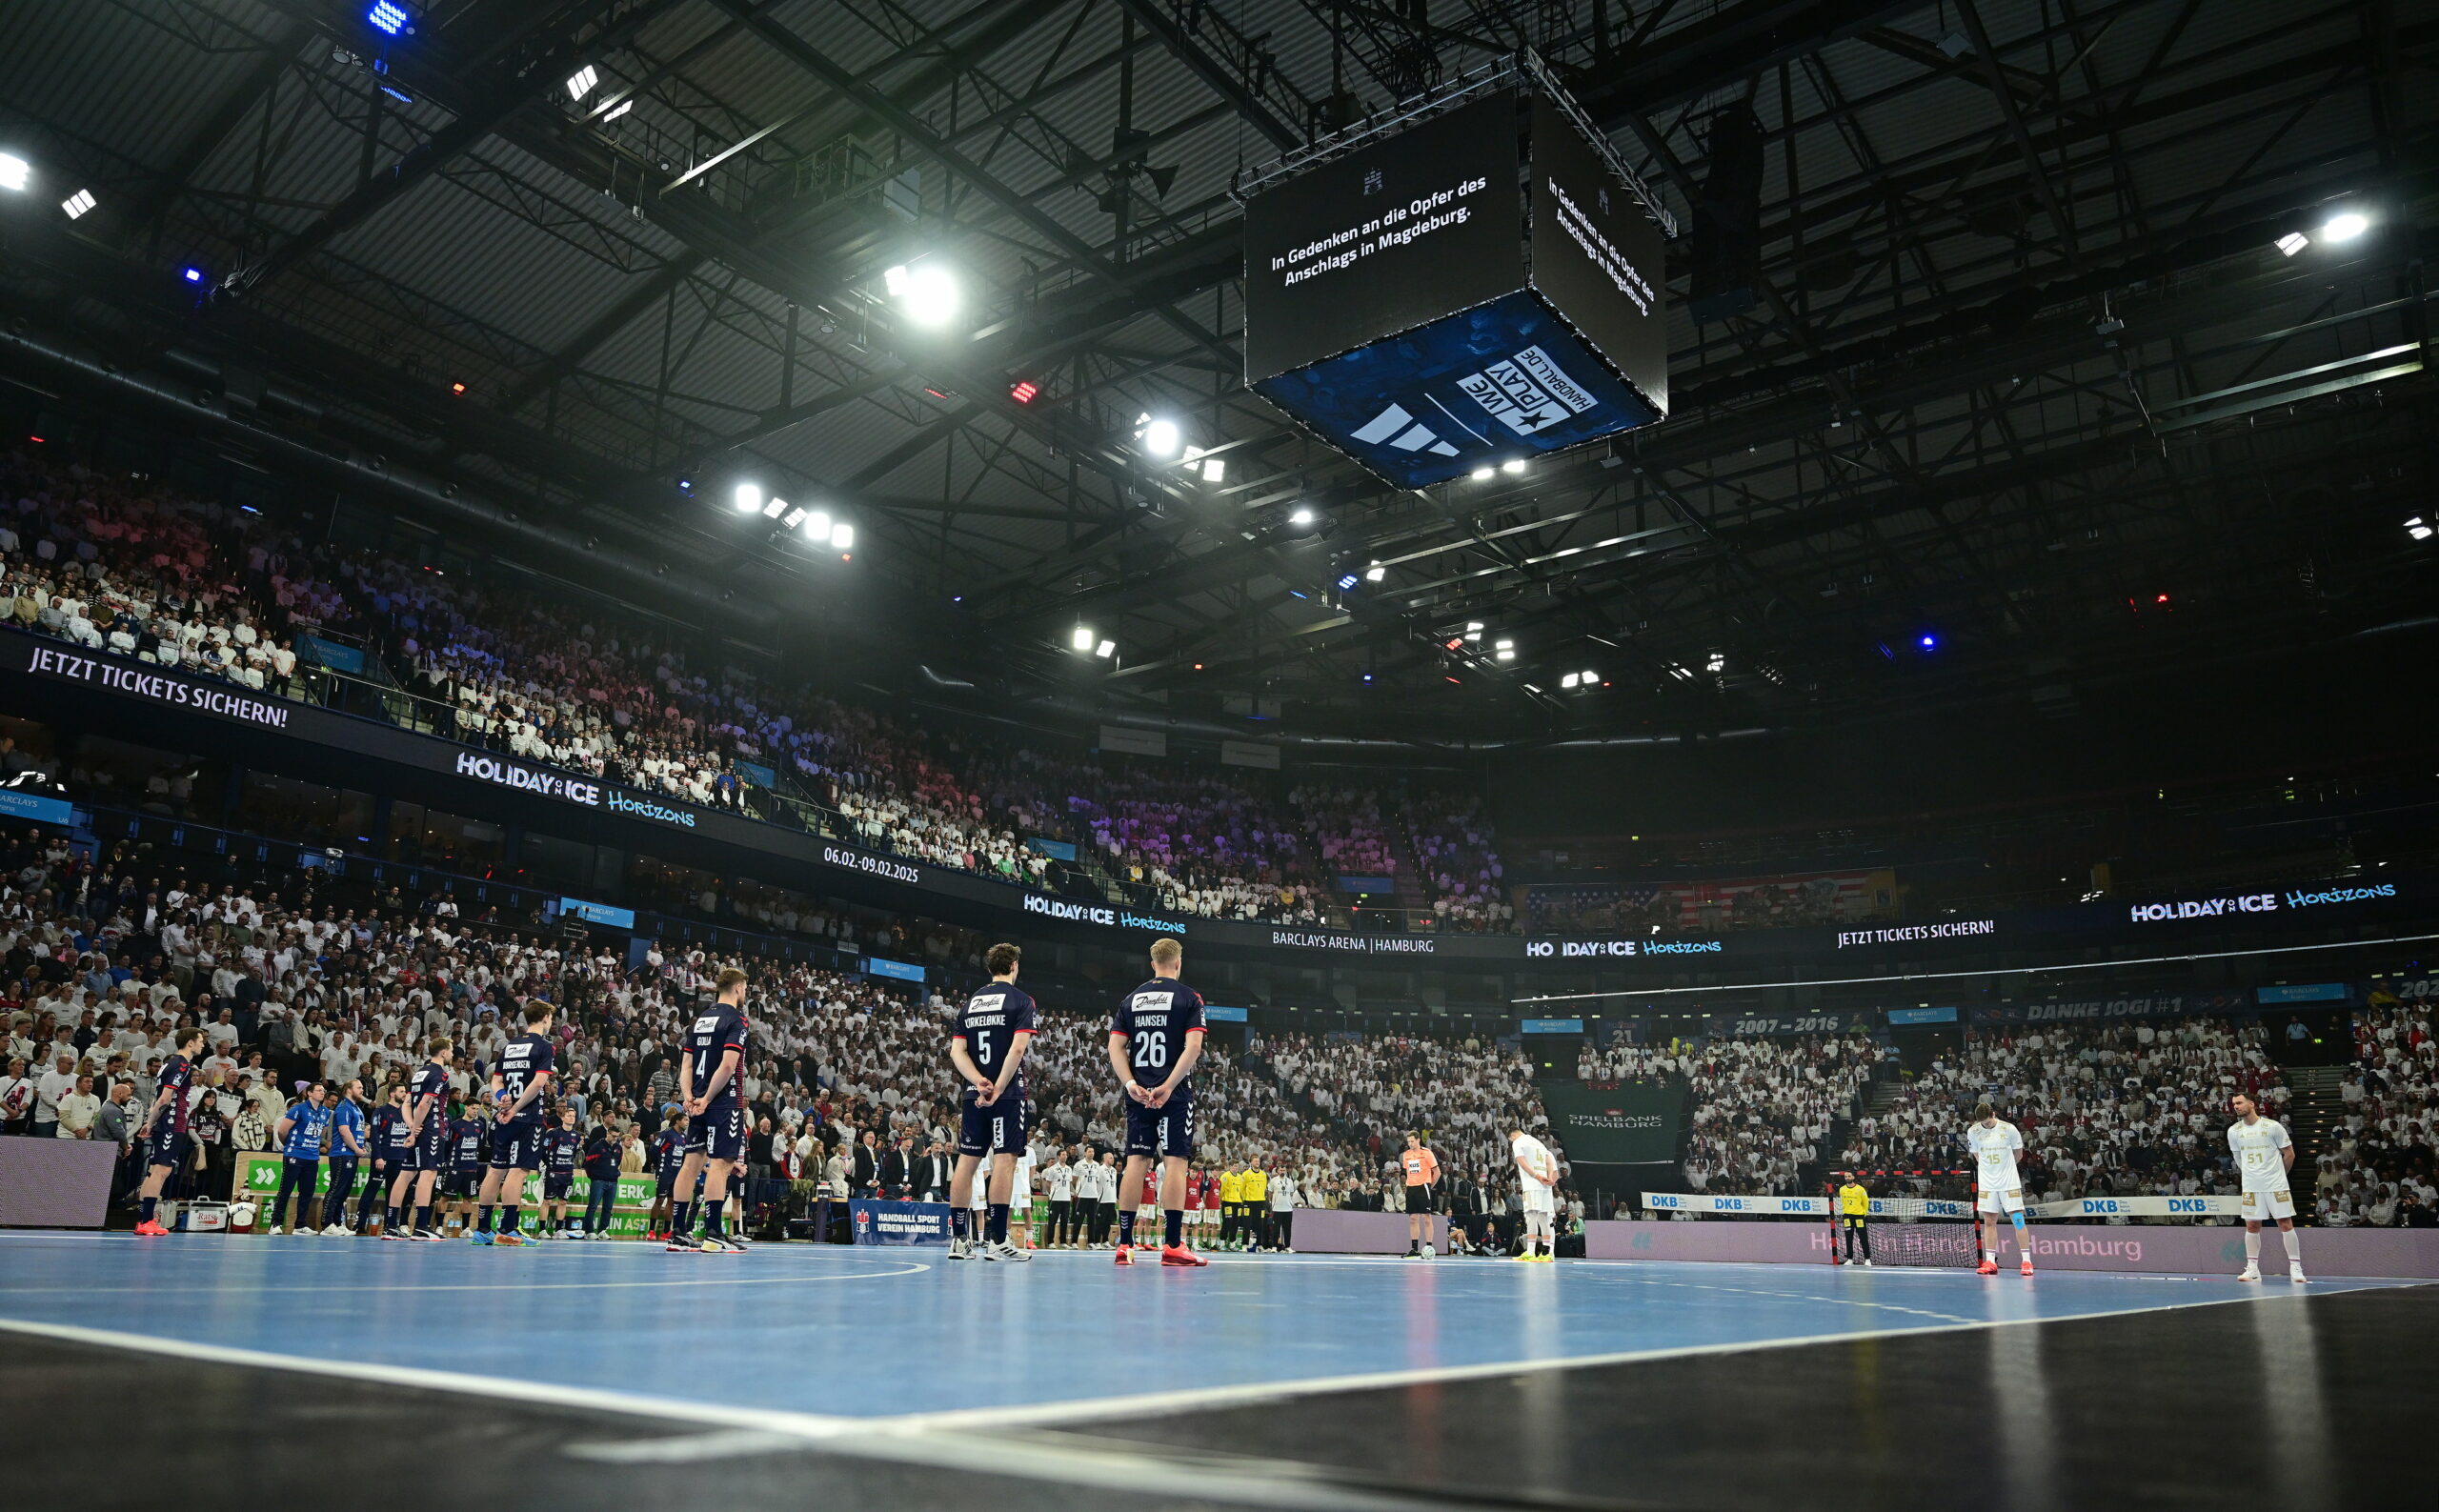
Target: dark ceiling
(2025, 375)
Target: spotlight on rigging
(389, 18)
(580, 83)
(927, 291)
(1161, 438)
(2344, 226)
(1082, 637)
(15, 173)
(749, 497)
(78, 203)
(2293, 242)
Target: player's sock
(2293, 1239)
(483, 1219)
(959, 1222)
(2252, 1246)
(149, 1204)
(681, 1219)
(389, 1220)
(510, 1219)
(1126, 1228)
(423, 1216)
(995, 1223)
(1174, 1221)
(712, 1219)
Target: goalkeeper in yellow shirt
(1854, 1216)
(1232, 1202)
(1256, 1227)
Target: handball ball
(242, 1215)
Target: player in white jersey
(1998, 1188)
(2265, 1157)
(1021, 1199)
(1537, 1175)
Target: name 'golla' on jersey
(2256, 1147)
(1994, 1155)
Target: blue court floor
(778, 1330)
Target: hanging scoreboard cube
(1478, 288)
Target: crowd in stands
(1460, 871)
(1706, 907)
(2383, 1171)
(1762, 1107)
(2104, 1109)
(1467, 1095)
(125, 564)
(101, 960)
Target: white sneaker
(2295, 1274)
(333, 1231)
(1866, 1264)
(962, 1249)
(1004, 1250)
(2252, 1273)
(1428, 1253)
(275, 1232)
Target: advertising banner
(2171, 1249)
(1628, 1123)
(255, 1177)
(880, 1223)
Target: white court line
(736, 1431)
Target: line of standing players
(1154, 1038)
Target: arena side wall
(2179, 1249)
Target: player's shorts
(717, 1134)
(1547, 1206)
(462, 1182)
(2268, 1203)
(556, 1185)
(517, 1145)
(2011, 1200)
(998, 1129)
(168, 1147)
(432, 1152)
(1424, 1199)
(668, 1185)
(1166, 1131)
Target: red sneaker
(151, 1229)
(2027, 1266)
(1180, 1255)
(1124, 1256)
(1988, 1267)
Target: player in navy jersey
(1154, 1041)
(520, 1078)
(559, 1147)
(166, 1149)
(987, 1047)
(392, 1150)
(709, 1085)
(426, 1121)
(667, 1155)
(470, 1140)
(300, 1132)
(348, 1148)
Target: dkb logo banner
(1631, 1123)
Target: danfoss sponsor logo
(509, 775)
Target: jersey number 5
(982, 1047)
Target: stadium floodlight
(1570, 680)
(842, 536)
(816, 526)
(2344, 226)
(1214, 470)
(1161, 437)
(2293, 242)
(1303, 516)
(580, 83)
(1375, 573)
(78, 203)
(1514, 464)
(387, 17)
(927, 291)
(1082, 637)
(1718, 662)
(776, 508)
(1346, 581)
(1507, 654)
(1105, 649)
(1483, 474)
(795, 517)
(749, 497)
(15, 173)
(192, 273)
(618, 110)
(1929, 643)
(2418, 528)
(1589, 677)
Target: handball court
(226, 1370)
